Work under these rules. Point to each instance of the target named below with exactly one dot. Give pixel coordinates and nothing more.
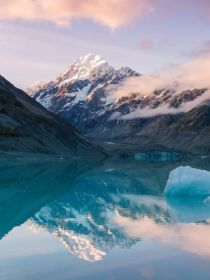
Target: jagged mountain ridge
(82, 96)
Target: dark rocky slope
(27, 127)
(187, 132)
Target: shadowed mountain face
(92, 208)
(26, 127)
(189, 132)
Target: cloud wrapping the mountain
(189, 76)
(165, 109)
(111, 13)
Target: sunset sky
(40, 38)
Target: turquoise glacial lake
(106, 220)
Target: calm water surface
(79, 219)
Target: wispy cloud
(165, 109)
(189, 76)
(111, 13)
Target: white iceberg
(188, 181)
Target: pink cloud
(147, 44)
(111, 13)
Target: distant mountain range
(83, 96)
(27, 127)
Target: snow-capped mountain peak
(90, 66)
(85, 80)
(82, 92)
(91, 60)
(35, 87)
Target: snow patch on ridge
(45, 102)
(81, 95)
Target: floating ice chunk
(188, 181)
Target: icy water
(79, 219)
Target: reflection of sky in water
(191, 237)
(100, 225)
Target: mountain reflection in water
(94, 207)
